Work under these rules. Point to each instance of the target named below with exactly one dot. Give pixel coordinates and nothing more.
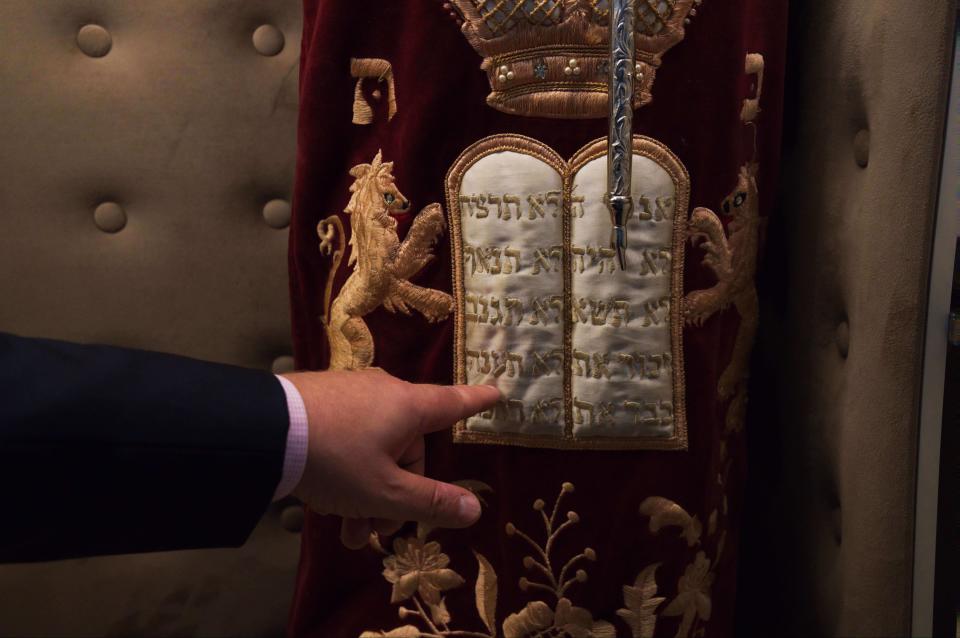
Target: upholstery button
(276, 212)
(292, 518)
(94, 40)
(110, 217)
(283, 365)
(268, 40)
(843, 339)
(861, 148)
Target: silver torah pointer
(619, 198)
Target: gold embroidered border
(643, 146)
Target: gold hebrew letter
(514, 309)
(579, 407)
(600, 362)
(508, 254)
(495, 199)
(555, 199)
(576, 206)
(372, 68)
(537, 201)
(753, 65)
(471, 316)
(515, 201)
(581, 371)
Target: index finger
(442, 406)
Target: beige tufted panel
(146, 161)
(847, 267)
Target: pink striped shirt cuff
(295, 457)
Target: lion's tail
(324, 229)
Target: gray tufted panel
(837, 386)
(146, 161)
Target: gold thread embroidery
(641, 602)
(753, 65)
(732, 256)
(330, 230)
(537, 618)
(665, 513)
(419, 573)
(692, 602)
(549, 58)
(381, 263)
(651, 312)
(380, 70)
(485, 593)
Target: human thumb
(425, 500)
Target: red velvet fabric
(441, 94)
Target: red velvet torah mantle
(449, 226)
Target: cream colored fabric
(146, 161)
(598, 369)
(640, 390)
(522, 332)
(850, 263)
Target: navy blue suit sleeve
(107, 451)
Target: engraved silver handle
(619, 197)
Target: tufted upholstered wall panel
(837, 382)
(146, 158)
(179, 139)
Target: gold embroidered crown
(550, 58)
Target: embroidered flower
(567, 621)
(693, 601)
(416, 566)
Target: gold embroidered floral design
(692, 603)
(420, 574)
(641, 602)
(382, 264)
(537, 620)
(665, 513)
(418, 567)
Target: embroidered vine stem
(443, 631)
(423, 614)
(556, 583)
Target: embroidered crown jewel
(550, 58)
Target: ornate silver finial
(619, 197)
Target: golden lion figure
(382, 264)
(733, 260)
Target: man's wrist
(295, 457)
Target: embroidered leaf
(665, 513)
(720, 545)
(535, 617)
(641, 603)
(578, 622)
(407, 631)
(603, 629)
(376, 545)
(693, 597)
(486, 590)
(439, 612)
